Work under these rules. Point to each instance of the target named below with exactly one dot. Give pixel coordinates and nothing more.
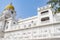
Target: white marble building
(44, 26)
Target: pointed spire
(11, 3)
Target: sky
(24, 8)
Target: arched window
(13, 22)
(32, 21)
(12, 12)
(24, 25)
(7, 27)
(29, 25)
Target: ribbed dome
(10, 6)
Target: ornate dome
(10, 6)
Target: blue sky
(24, 8)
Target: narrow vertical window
(12, 12)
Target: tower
(9, 14)
(9, 11)
(6, 19)
(45, 14)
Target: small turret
(8, 17)
(9, 11)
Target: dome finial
(11, 3)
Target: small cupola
(9, 6)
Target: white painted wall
(43, 32)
